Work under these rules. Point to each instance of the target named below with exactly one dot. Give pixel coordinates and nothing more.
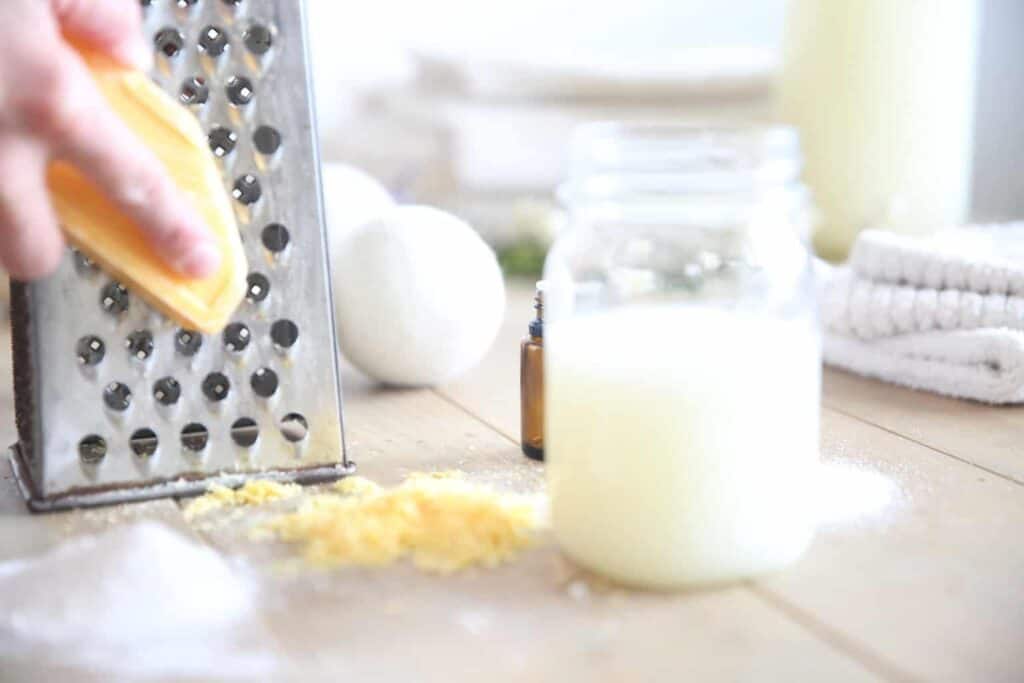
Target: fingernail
(202, 260)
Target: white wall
(999, 122)
(362, 41)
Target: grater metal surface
(114, 402)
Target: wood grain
(989, 437)
(934, 585)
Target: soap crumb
(438, 475)
(393, 607)
(578, 591)
(474, 622)
(255, 492)
(356, 486)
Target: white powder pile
(852, 494)
(139, 600)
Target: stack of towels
(943, 313)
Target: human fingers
(31, 244)
(111, 26)
(85, 131)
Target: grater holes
(187, 342)
(264, 382)
(222, 141)
(90, 350)
(117, 396)
(169, 41)
(92, 449)
(275, 238)
(140, 344)
(240, 90)
(294, 427)
(167, 391)
(144, 442)
(213, 40)
(194, 91)
(83, 264)
(236, 337)
(257, 287)
(195, 437)
(258, 39)
(284, 334)
(114, 298)
(145, 3)
(185, 4)
(267, 140)
(216, 386)
(232, 3)
(245, 432)
(247, 189)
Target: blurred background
(468, 105)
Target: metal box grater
(115, 403)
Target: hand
(51, 109)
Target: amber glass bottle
(531, 382)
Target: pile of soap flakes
(138, 601)
(253, 492)
(441, 521)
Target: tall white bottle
(883, 94)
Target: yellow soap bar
(113, 240)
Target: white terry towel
(984, 365)
(986, 259)
(943, 314)
(868, 309)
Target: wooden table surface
(933, 589)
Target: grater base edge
(178, 488)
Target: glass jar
(682, 355)
(887, 121)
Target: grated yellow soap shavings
(442, 522)
(356, 486)
(255, 492)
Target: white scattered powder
(850, 494)
(139, 600)
(475, 622)
(578, 590)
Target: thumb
(111, 26)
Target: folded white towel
(943, 314)
(868, 309)
(984, 365)
(987, 259)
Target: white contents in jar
(681, 442)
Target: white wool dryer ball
(419, 296)
(351, 197)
